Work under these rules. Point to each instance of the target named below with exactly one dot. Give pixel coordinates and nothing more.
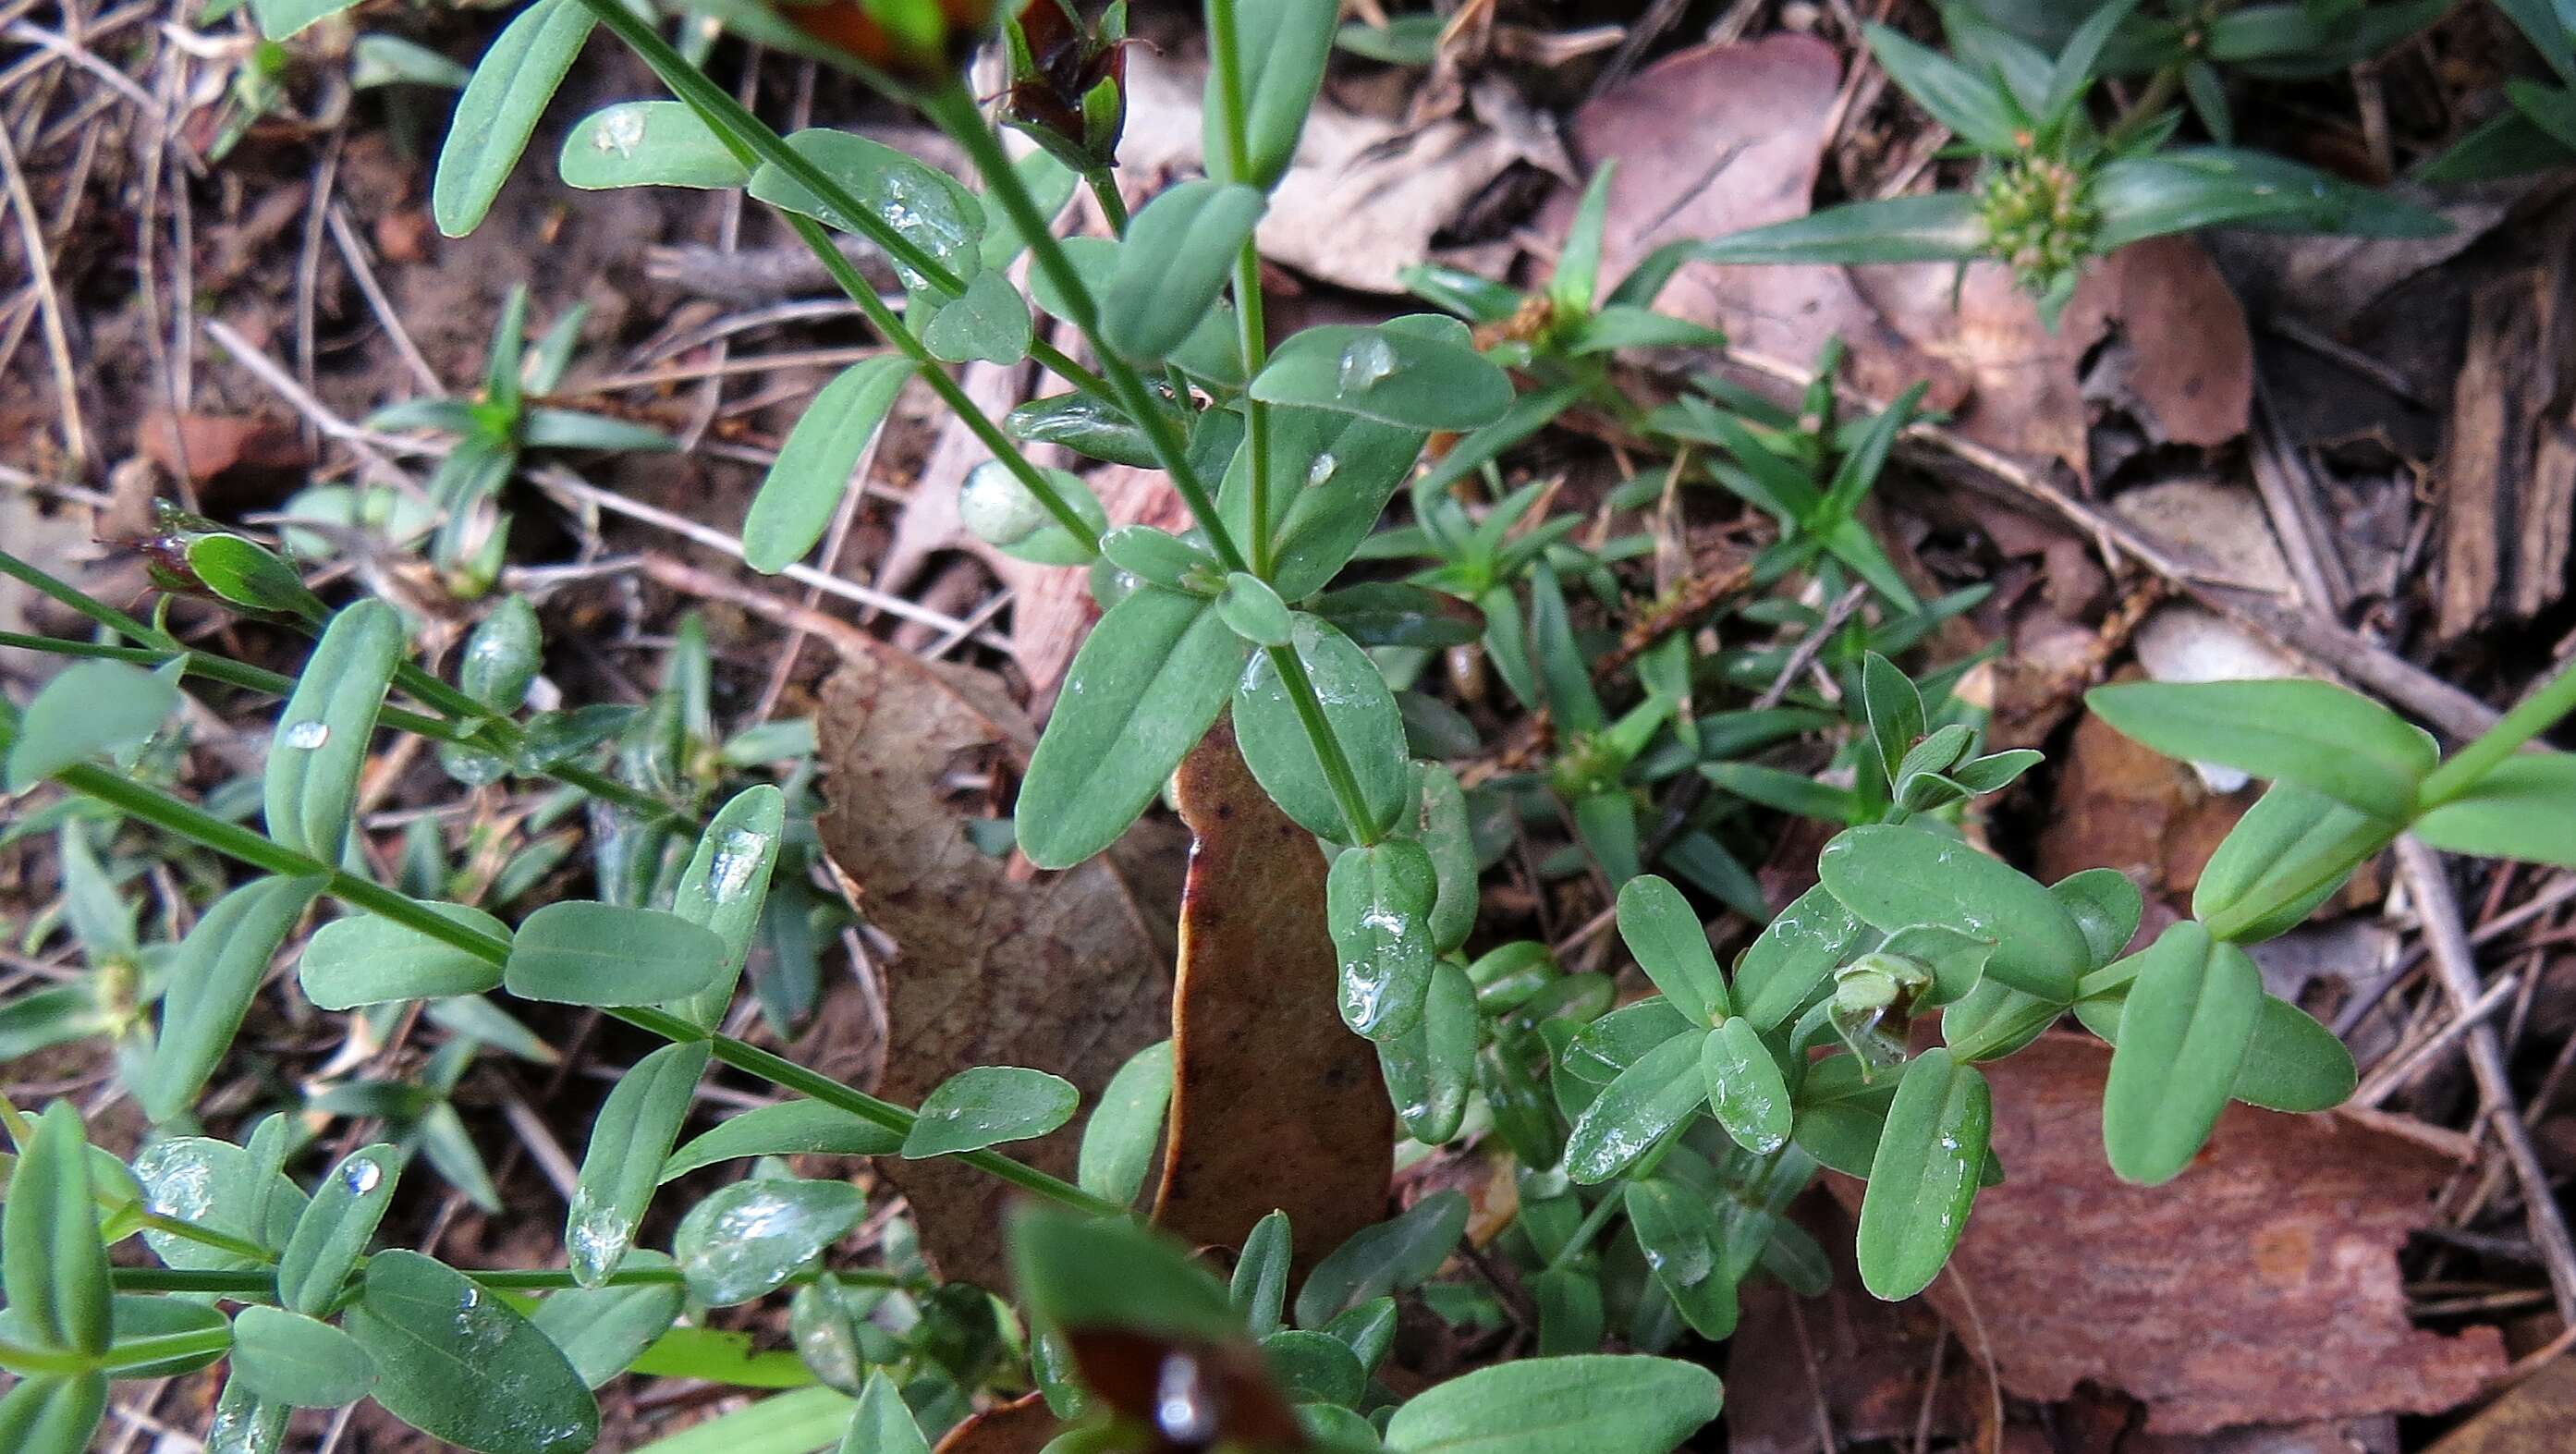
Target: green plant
(1659, 1141)
(2538, 132)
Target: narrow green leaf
(499, 110)
(213, 1184)
(1260, 1286)
(2312, 733)
(791, 1128)
(1934, 227)
(1680, 1239)
(454, 1362)
(922, 204)
(628, 1145)
(2105, 906)
(1175, 260)
(1745, 1087)
(1283, 45)
(648, 144)
(212, 980)
(365, 960)
(814, 467)
(987, 1105)
(882, 1423)
(2290, 852)
(584, 953)
(320, 747)
(1143, 690)
(53, 1415)
(88, 709)
(1959, 98)
(1671, 945)
(301, 1362)
(1794, 954)
(1924, 1175)
(2182, 189)
(2183, 1034)
(2525, 807)
(1429, 1068)
(1126, 1125)
(601, 1332)
(725, 886)
(1600, 1403)
(1077, 1272)
(1378, 902)
(1255, 611)
(1388, 1258)
(748, 1238)
(989, 322)
(1895, 876)
(52, 1266)
(1388, 374)
(1363, 717)
(1449, 837)
(1660, 1091)
(334, 1229)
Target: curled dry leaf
(1275, 1105)
(1023, 1426)
(994, 964)
(2261, 1285)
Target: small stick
(2456, 964)
(2385, 1081)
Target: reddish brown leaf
(1024, 1426)
(2261, 1285)
(202, 446)
(1275, 1103)
(995, 964)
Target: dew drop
(1321, 470)
(737, 859)
(621, 132)
(997, 507)
(1368, 359)
(361, 1176)
(308, 735)
(1183, 1410)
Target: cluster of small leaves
(2053, 190)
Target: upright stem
(956, 113)
(1327, 744)
(1249, 323)
(2534, 715)
(1104, 187)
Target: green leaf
(987, 1105)
(1377, 906)
(1671, 945)
(1084, 425)
(1933, 227)
(1255, 611)
(988, 322)
(1600, 1403)
(366, 960)
(1573, 285)
(648, 144)
(584, 953)
(748, 1238)
(1601, 1050)
(921, 204)
(602, 1331)
(1429, 1068)
(628, 1145)
(2183, 1034)
(454, 1362)
(311, 787)
(301, 1362)
(1388, 374)
(1448, 836)
(1745, 1087)
(138, 1317)
(2312, 733)
(1895, 711)
(882, 1423)
(1794, 954)
(2185, 188)
(503, 656)
(53, 1415)
(89, 709)
(725, 886)
(1841, 1112)
(52, 1265)
(2293, 1063)
(1364, 720)
(1893, 877)
(1259, 1289)
(1313, 1368)
(2289, 853)
(499, 110)
(332, 1233)
(1959, 98)
(251, 577)
(1924, 1176)
(1078, 1272)
(213, 1184)
(1680, 1238)
(1388, 1258)
(814, 467)
(1332, 476)
(1141, 693)
(2105, 906)
(212, 980)
(1661, 1090)
(2524, 807)
(1173, 264)
(1282, 46)
(1126, 1125)
(791, 1128)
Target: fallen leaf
(2124, 806)
(2262, 1284)
(1023, 1426)
(995, 964)
(1275, 1103)
(201, 446)
(1363, 197)
(2533, 1417)
(2220, 532)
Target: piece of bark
(995, 963)
(2259, 1286)
(1024, 1426)
(1276, 1105)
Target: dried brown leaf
(1275, 1103)
(1023, 1426)
(202, 446)
(2261, 1285)
(995, 964)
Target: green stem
(136, 1352)
(1104, 188)
(188, 821)
(1609, 1206)
(2536, 714)
(500, 1279)
(1327, 744)
(1250, 327)
(44, 1362)
(752, 140)
(955, 112)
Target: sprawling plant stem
(1249, 322)
(2534, 715)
